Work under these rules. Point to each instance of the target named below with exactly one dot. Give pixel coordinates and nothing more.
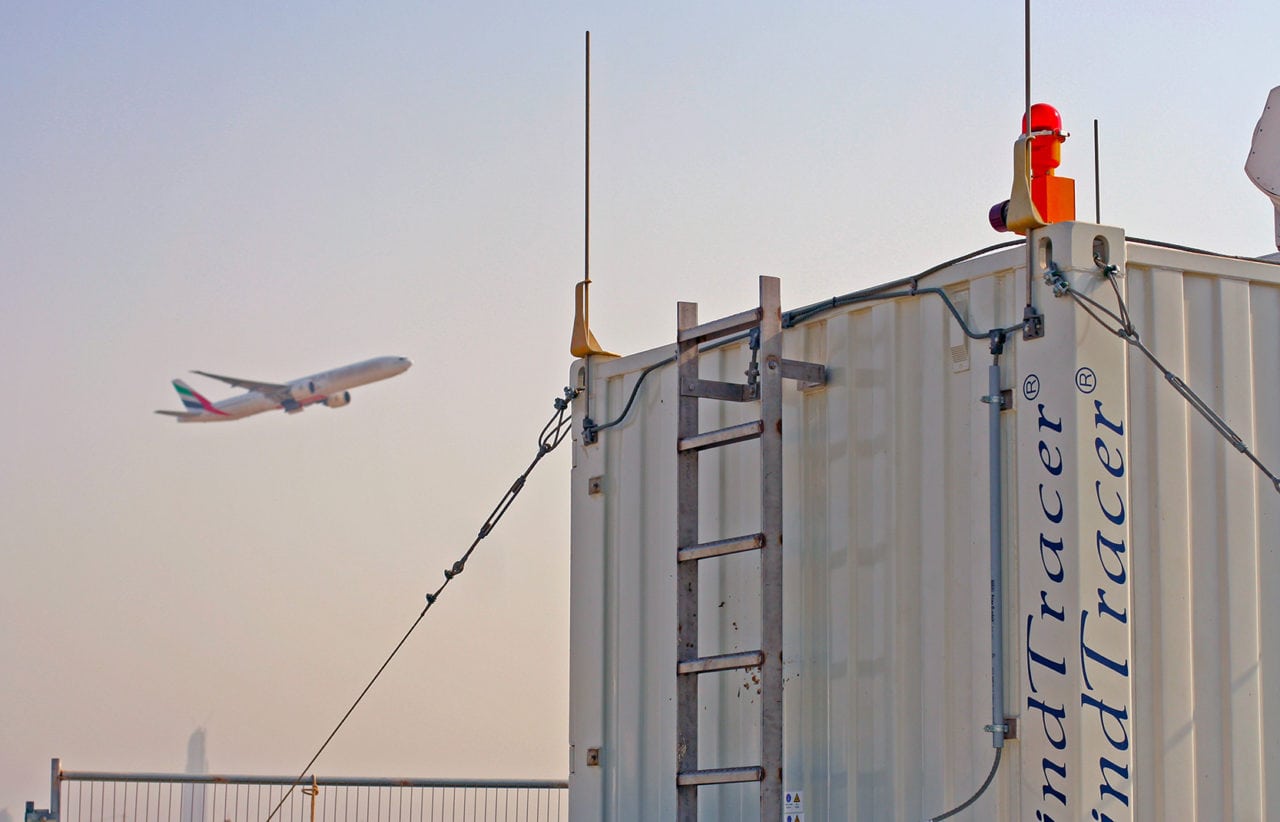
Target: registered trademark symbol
(1031, 387)
(1086, 380)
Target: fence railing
(97, 796)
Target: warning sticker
(792, 807)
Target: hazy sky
(268, 190)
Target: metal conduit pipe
(998, 728)
(995, 405)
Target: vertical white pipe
(997, 558)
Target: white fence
(93, 796)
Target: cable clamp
(431, 600)
(570, 394)
(1001, 400)
(1054, 278)
(1104, 269)
(991, 729)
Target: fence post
(55, 789)
(311, 792)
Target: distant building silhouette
(194, 804)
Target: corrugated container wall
(1141, 617)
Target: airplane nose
(406, 362)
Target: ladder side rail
(771, 559)
(686, 572)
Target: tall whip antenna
(583, 342)
(1026, 85)
(1027, 64)
(1097, 178)
(586, 186)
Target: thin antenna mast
(1027, 63)
(583, 342)
(586, 187)
(1097, 178)
(1026, 85)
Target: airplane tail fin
(197, 408)
(191, 399)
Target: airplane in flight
(328, 387)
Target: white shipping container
(1141, 629)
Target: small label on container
(792, 807)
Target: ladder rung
(722, 327)
(723, 436)
(721, 776)
(721, 547)
(721, 662)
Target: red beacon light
(1039, 196)
(1047, 138)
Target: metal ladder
(764, 383)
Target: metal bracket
(808, 374)
(1009, 728)
(1032, 324)
(1004, 399)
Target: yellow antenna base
(1023, 214)
(583, 342)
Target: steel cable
(553, 433)
(1125, 330)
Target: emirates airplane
(328, 387)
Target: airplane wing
(267, 388)
(182, 415)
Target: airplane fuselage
(328, 387)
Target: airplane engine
(300, 391)
(338, 400)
